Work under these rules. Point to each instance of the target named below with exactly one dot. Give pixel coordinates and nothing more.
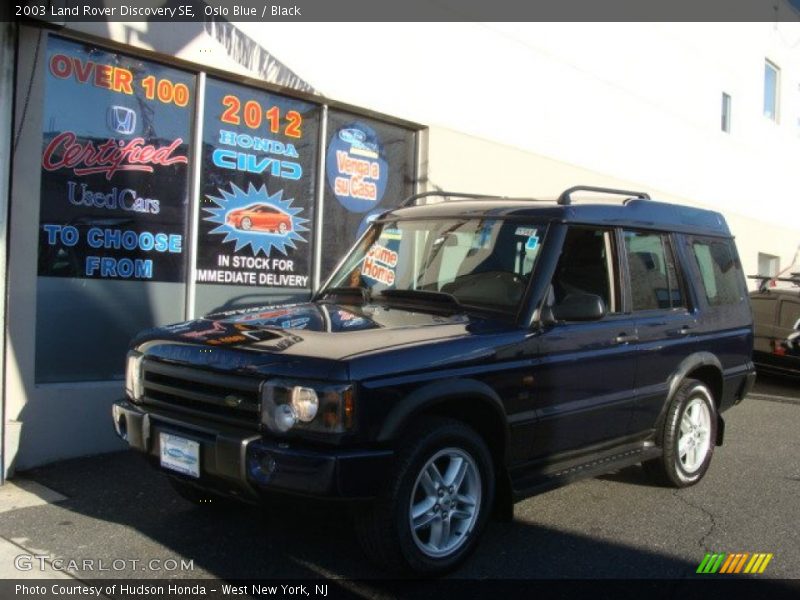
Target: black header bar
(70, 11)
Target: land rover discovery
(466, 353)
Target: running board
(565, 472)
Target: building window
(726, 112)
(768, 264)
(771, 87)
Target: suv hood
(304, 339)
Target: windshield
(479, 263)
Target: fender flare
(687, 365)
(435, 393)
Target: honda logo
(121, 119)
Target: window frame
(615, 268)
(669, 245)
(727, 112)
(423, 248)
(776, 94)
(702, 290)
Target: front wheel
(437, 504)
(688, 438)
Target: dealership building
(154, 172)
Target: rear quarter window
(720, 271)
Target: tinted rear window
(720, 271)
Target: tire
(688, 437)
(246, 224)
(282, 228)
(443, 469)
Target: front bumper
(242, 463)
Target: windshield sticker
(530, 233)
(391, 234)
(379, 264)
(484, 238)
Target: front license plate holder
(180, 454)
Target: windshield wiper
(427, 298)
(338, 292)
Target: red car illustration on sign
(260, 217)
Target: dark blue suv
(466, 353)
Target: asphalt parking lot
(614, 526)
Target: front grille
(227, 398)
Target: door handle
(624, 338)
(684, 330)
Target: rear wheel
(282, 228)
(438, 502)
(688, 438)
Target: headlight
(133, 376)
(311, 407)
(305, 403)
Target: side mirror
(580, 307)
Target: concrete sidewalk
(18, 560)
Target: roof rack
(566, 196)
(413, 198)
(763, 280)
(565, 199)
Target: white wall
(634, 101)
(639, 102)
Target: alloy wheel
(694, 440)
(445, 502)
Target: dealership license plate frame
(179, 454)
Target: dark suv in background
(776, 325)
(466, 353)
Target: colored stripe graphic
(711, 563)
(726, 568)
(734, 563)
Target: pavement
(112, 516)
(18, 495)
